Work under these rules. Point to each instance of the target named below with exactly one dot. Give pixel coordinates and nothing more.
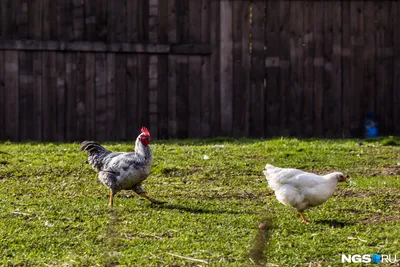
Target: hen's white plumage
(301, 190)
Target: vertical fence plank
(194, 97)
(308, 117)
(205, 128)
(90, 72)
(64, 20)
(346, 68)
(61, 100)
(257, 69)
(37, 96)
(297, 70)
(153, 20)
(4, 19)
(396, 82)
(11, 94)
(112, 20)
(143, 105)
(71, 95)
(226, 64)
(91, 20)
(49, 20)
(133, 97)
(194, 21)
(117, 21)
(329, 104)
(194, 88)
(357, 43)
(2, 97)
(25, 94)
(284, 65)
(153, 68)
(172, 99)
(101, 22)
(112, 114)
(237, 86)
(120, 97)
(182, 70)
(336, 110)
(318, 68)
(381, 21)
(81, 102)
(182, 110)
(101, 96)
(35, 16)
(131, 20)
(162, 97)
(368, 96)
(162, 80)
(172, 38)
(182, 20)
(10, 20)
(215, 30)
(21, 19)
(35, 19)
(49, 96)
(153, 95)
(272, 43)
(143, 21)
(78, 19)
(392, 109)
(387, 59)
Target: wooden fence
(99, 69)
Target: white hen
(301, 190)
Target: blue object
(371, 125)
(376, 258)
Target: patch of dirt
(351, 211)
(353, 193)
(386, 171)
(396, 202)
(317, 263)
(380, 219)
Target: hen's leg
(144, 195)
(110, 202)
(303, 218)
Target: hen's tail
(270, 170)
(96, 153)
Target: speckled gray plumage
(120, 170)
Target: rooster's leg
(151, 199)
(303, 218)
(110, 202)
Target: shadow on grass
(199, 210)
(334, 223)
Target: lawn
(54, 210)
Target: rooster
(122, 170)
(301, 190)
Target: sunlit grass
(54, 210)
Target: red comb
(145, 131)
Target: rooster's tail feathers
(92, 147)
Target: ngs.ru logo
(367, 258)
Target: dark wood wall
(98, 69)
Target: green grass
(54, 210)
